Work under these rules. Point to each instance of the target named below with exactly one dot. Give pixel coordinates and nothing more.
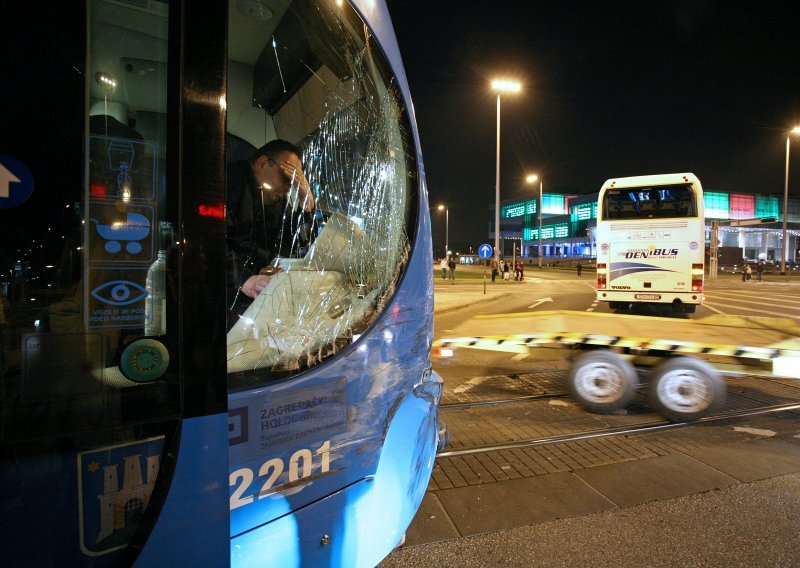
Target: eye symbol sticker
(119, 292)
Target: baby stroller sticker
(134, 228)
(120, 234)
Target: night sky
(610, 89)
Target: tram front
(212, 352)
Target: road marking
(539, 302)
(712, 308)
(782, 314)
(749, 294)
(519, 356)
(755, 431)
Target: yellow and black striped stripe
(635, 344)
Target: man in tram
(261, 224)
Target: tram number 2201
(301, 465)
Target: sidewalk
(461, 294)
(742, 525)
(468, 287)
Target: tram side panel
(330, 455)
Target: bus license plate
(648, 296)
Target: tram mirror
(299, 46)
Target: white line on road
(519, 356)
(539, 302)
(782, 314)
(712, 308)
(749, 294)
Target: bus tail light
(697, 278)
(601, 276)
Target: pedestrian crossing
(773, 299)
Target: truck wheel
(683, 389)
(602, 381)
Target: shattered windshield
(320, 185)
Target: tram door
(110, 427)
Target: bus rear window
(661, 201)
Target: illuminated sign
(553, 204)
(716, 205)
(766, 207)
(742, 206)
(518, 209)
(584, 211)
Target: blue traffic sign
(16, 182)
(485, 251)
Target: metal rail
(643, 428)
(462, 405)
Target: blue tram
(199, 366)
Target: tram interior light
(105, 80)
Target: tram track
(641, 428)
(493, 402)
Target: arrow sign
(539, 302)
(16, 182)
(6, 178)
(485, 251)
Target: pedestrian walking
(749, 272)
(506, 273)
(579, 268)
(759, 270)
(494, 269)
(443, 266)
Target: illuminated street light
(500, 86)
(532, 179)
(795, 130)
(446, 229)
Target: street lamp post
(500, 86)
(795, 130)
(532, 179)
(446, 229)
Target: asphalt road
(559, 290)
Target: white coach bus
(651, 242)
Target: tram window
(310, 73)
(86, 277)
(663, 201)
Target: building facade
(568, 225)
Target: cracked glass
(321, 180)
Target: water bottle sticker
(121, 169)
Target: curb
(467, 304)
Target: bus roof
(660, 179)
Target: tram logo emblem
(114, 487)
